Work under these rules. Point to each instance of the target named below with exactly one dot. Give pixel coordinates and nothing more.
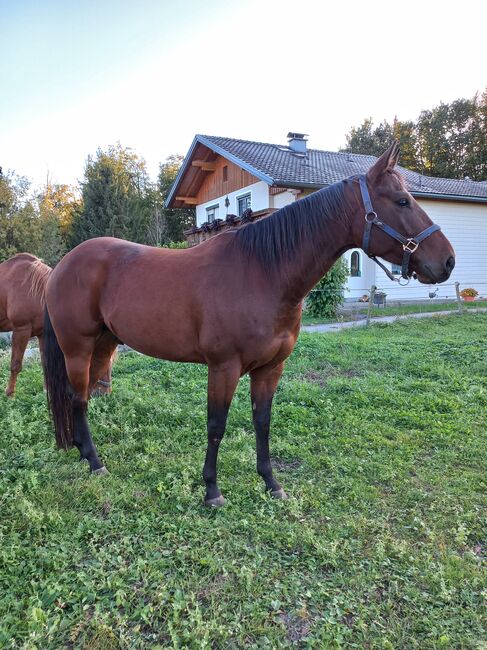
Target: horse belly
(162, 337)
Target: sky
(76, 75)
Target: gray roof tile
(320, 168)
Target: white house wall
(259, 201)
(278, 201)
(465, 225)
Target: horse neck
(315, 256)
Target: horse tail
(59, 391)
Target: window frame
(215, 207)
(247, 195)
(358, 274)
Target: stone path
(335, 327)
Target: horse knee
(15, 367)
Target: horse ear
(386, 162)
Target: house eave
(181, 172)
(200, 139)
(418, 195)
(449, 197)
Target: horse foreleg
(222, 381)
(263, 384)
(78, 369)
(20, 338)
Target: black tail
(59, 391)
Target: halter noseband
(409, 244)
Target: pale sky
(78, 75)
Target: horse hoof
(100, 471)
(217, 502)
(279, 494)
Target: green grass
(347, 314)
(379, 439)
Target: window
(396, 269)
(355, 270)
(243, 203)
(212, 213)
(225, 173)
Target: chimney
(297, 142)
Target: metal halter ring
(367, 214)
(410, 246)
(402, 284)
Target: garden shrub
(328, 295)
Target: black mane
(276, 238)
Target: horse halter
(409, 244)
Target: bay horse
(22, 282)
(22, 286)
(233, 302)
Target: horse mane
(37, 275)
(276, 238)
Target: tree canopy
(449, 140)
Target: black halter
(409, 244)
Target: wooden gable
(209, 176)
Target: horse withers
(233, 302)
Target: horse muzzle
(430, 273)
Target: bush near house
(328, 295)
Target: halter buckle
(368, 214)
(410, 246)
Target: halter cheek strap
(409, 244)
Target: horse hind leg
(101, 364)
(20, 338)
(78, 370)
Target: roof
(279, 166)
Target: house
(222, 177)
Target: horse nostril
(450, 264)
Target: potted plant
(469, 294)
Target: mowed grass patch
(379, 437)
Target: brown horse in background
(233, 302)
(22, 287)
(22, 283)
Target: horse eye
(403, 202)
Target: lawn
(380, 441)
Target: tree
(449, 140)
(19, 230)
(57, 205)
(369, 140)
(116, 197)
(169, 224)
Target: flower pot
(469, 298)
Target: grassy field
(347, 313)
(380, 441)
